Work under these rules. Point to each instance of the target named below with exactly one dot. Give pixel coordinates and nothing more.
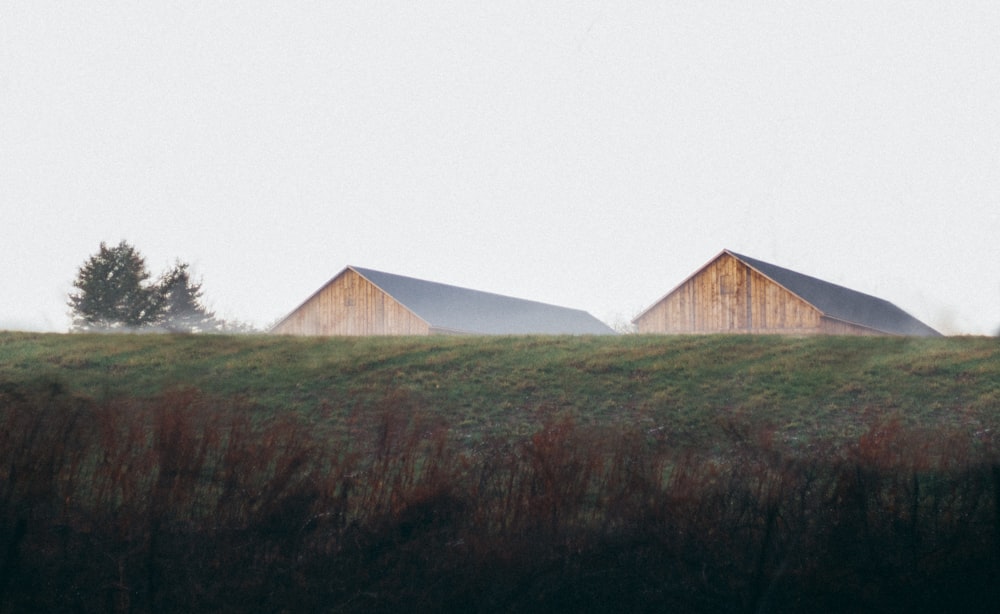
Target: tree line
(114, 292)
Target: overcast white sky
(586, 154)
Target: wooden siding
(728, 296)
(351, 305)
(831, 326)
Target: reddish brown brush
(185, 502)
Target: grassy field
(804, 389)
(153, 473)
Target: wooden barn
(361, 301)
(738, 294)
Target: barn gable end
(361, 301)
(738, 294)
(349, 304)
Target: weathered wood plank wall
(729, 296)
(838, 327)
(351, 305)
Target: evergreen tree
(182, 308)
(113, 293)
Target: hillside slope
(697, 474)
(688, 387)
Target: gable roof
(834, 301)
(455, 309)
(842, 303)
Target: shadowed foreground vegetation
(152, 474)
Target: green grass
(143, 473)
(803, 389)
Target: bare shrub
(184, 502)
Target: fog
(573, 153)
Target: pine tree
(182, 308)
(113, 293)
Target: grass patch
(144, 473)
(804, 388)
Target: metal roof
(455, 309)
(842, 303)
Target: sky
(588, 154)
